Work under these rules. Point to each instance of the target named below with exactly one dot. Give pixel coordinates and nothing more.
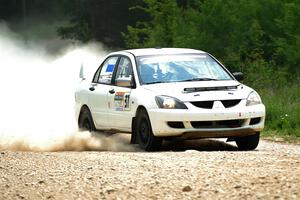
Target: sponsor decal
(121, 100)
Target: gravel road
(208, 169)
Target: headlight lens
(253, 99)
(167, 102)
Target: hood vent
(201, 89)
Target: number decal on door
(122, 101)
(127, 101)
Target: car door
(119, 97)
(98, 90)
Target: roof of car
(161, 51)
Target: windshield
(179, 68)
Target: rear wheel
(145, 137)
(249, 142)
(85, 122)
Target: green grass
(283, 109)
(280, 136)
(280, 92)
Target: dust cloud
(37, 96)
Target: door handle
(92, 88)
(111, 91)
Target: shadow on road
(183, 145)
(199, 145)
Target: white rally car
(168, 93)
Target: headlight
(167, 102)
(253, 99)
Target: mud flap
(133, 139)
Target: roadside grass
(280, 136)
(280, 92)
(283, 110)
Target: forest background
(261, 38)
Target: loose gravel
(208, 169)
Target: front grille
(176, 124)
(202, 124)
(230, 103)
(203, 104)
(209, 104)
(217, 124)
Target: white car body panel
(99, 108)
(120, 116)
(117, 111)
(177, 90)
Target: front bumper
(205, 123)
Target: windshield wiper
(156, 82)
(199, 79)
(192, 79)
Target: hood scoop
(201, 89)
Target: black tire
(85, 122)
(247, 143)
(145, 137)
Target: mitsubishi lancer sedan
(169, 93)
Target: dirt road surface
(186, 170)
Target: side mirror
(239, 76)
(81, 73)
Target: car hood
(201, 90)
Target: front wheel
(145, 137)
(249, 142)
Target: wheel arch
(83, 107)
(85, 114)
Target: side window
(107, 70)
(124, 72)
